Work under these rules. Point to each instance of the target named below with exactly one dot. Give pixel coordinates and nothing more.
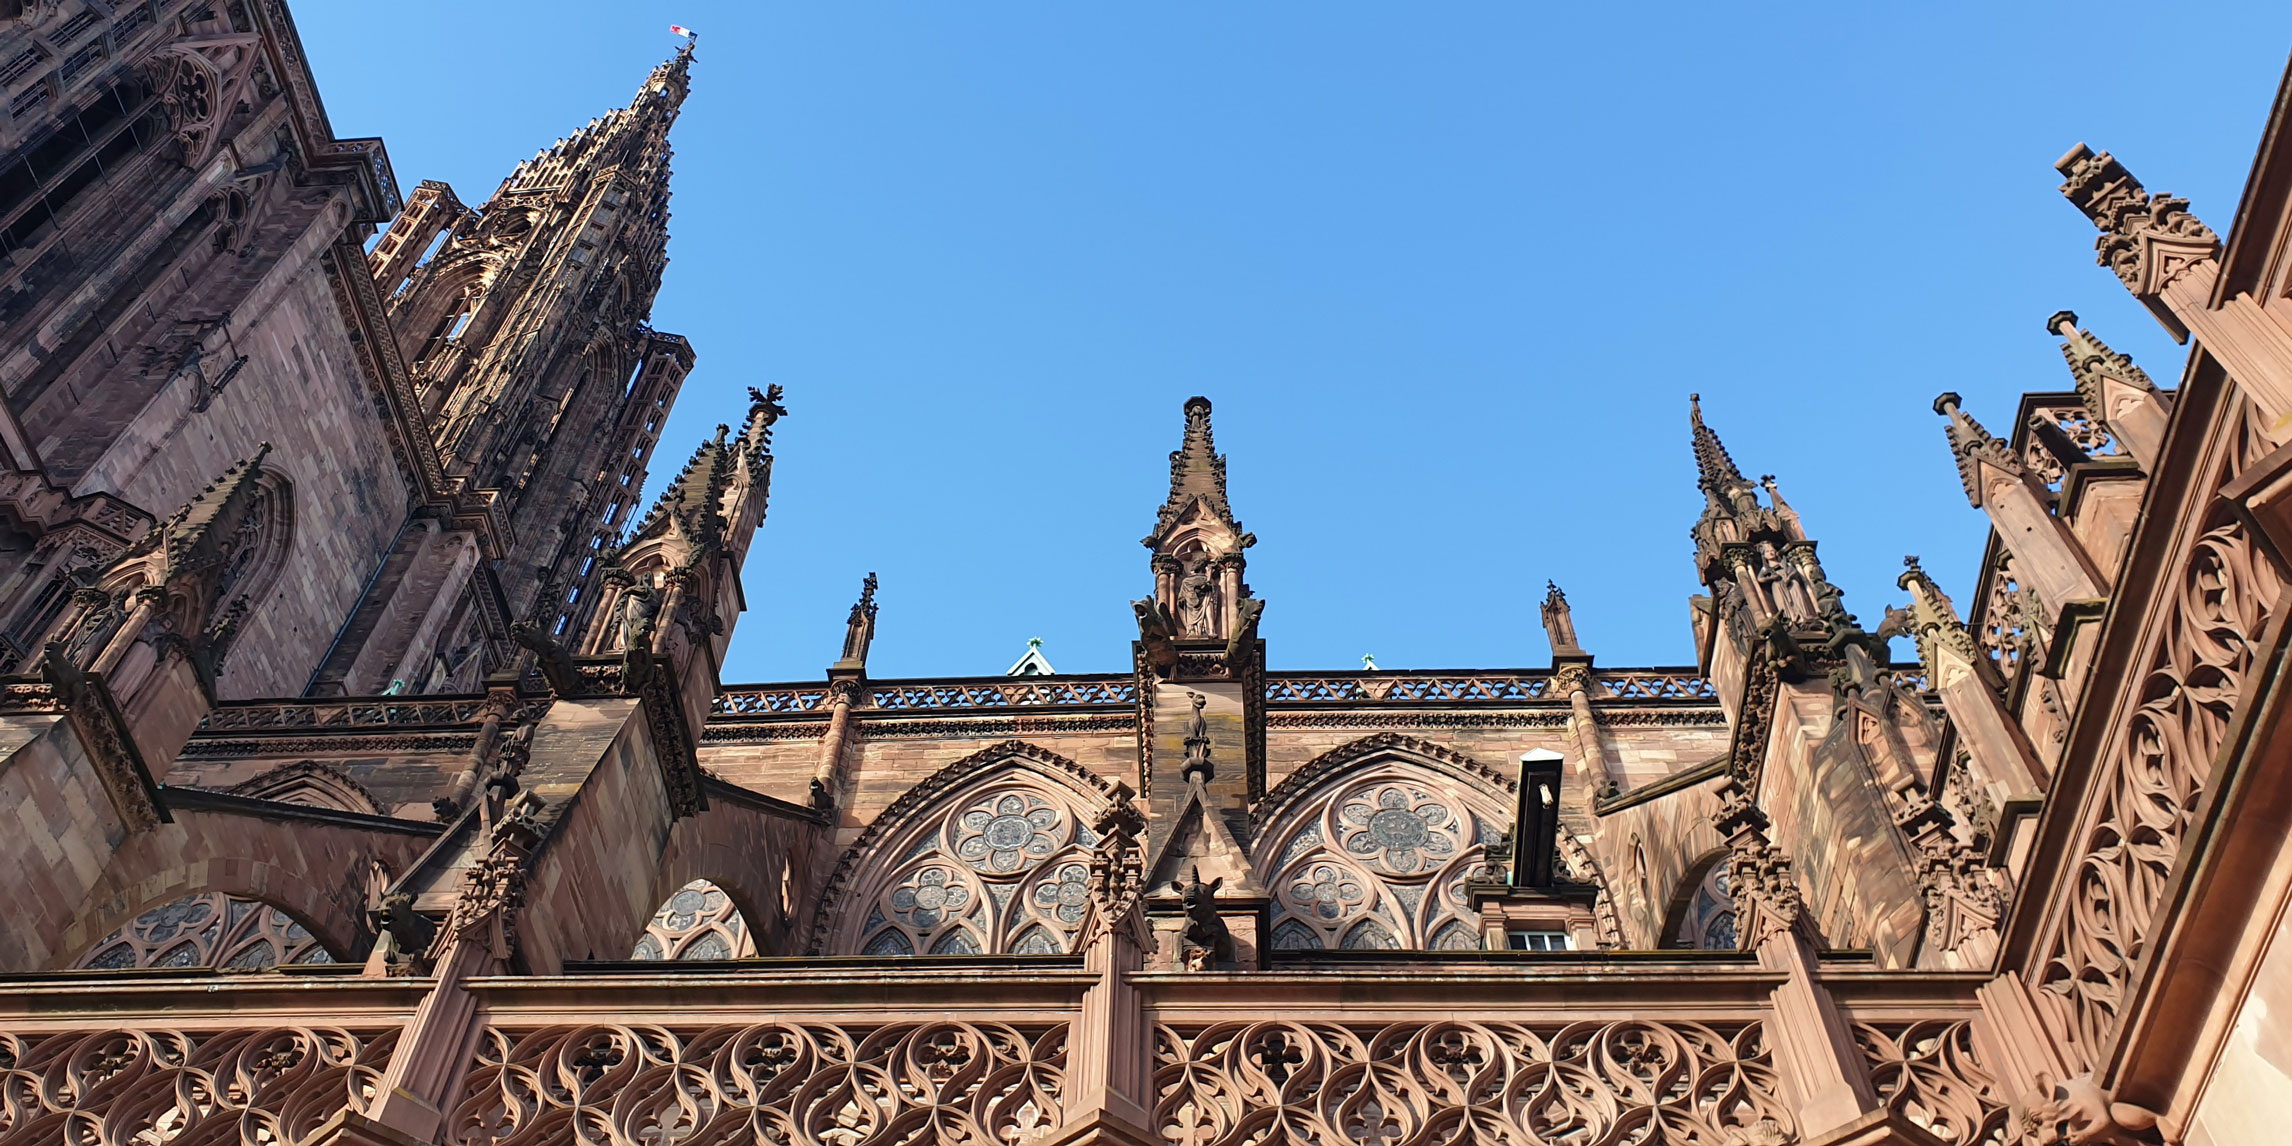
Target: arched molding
(1701, 910)
(1313, 773)
(297, 893)
(311, 784)
(1583, 866)
(883, 845)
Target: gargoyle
(555, 663)
(1208, 945)
(1244, 640)
(405, 934)
(2077, 1112)
(1154, 633)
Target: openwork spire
(1197, 475)
(633, 137)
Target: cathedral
(368, 777)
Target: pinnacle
(1714, 469)
(1197, 473)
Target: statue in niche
(105, 612)
(1198, 599)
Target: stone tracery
(999, 867)
(1379, 861)
(208, 929)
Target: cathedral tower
(523, 327)
(526, 331)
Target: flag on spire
(681, 30)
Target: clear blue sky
(1448, 271)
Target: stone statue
(1208, 945)
(1198, 600)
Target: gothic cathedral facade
(368, 775)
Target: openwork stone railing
(1583, 1083)
(793, 1082)
(378, 711)
(1931, 1075)
(2200, 629)
(985, 692)
(823, 1079)
(274, 1084)
(1478, 688)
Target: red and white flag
(680, 30)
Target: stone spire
(1199, 593)
(1560, 626)
(859, 630)
(526, 335)
(1732, 515)
(1975, 448)
(749, 492)
(1715, 471)
(2117, 393)
(689, 503)
(1197, 478)
(187, 537)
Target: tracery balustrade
(801, 1083)
(1581, 1084)
(151, 1085)
(1931, 1074)
(2203, 629)
(208, 929)
(1378, 860)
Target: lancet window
(1379, 860)
(210, 929)
(1002, 867)
(698, 922)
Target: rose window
(1003, 834)
(1402, 827)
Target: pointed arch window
(209, 929)
(1707, 922)
(1002, 867)
(1377, 860)
(699, 922)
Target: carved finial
(1972, 445)
(859, 628)
(1715, 471)
(1559, 622)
